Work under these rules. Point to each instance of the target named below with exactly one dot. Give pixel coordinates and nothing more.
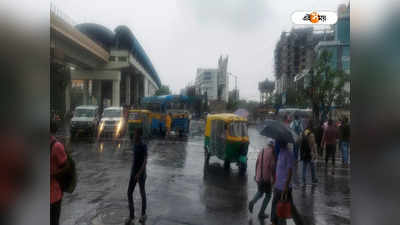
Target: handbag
(284, 208)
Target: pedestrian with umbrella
(284, 169)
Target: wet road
(181, 190)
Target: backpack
(68, 177)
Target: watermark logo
(314, 17)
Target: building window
(122, 58)
(112, 58)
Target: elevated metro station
(91, 64)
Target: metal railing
(57, 11)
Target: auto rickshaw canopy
(139, 111)
(226, 117)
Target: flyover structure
(91, 64)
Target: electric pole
(236, 90)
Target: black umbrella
(276, 130)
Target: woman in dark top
(138, 174)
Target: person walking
(265, 170)
(168, 123)
(283, 186)
(297, 127)
(329, 140)
(138, 174)
(308, 152)
(58, 161)
(344, 141)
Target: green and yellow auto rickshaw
(227, 138)
(139, 118)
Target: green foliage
(326, 86)
(296, 98)
(164, 90)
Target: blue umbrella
(242, 112)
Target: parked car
(85, 120)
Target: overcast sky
(181, 35)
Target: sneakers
(129, 221)
(143, 218)
(251, 206)
(262, 216)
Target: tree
(326, 85)
(296, 97)
(164, 90)
(266, 88)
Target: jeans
(131, 188)
(277, 196)
(344, 147)
(295, 151)
(307, 163)
(267, 189)
(330, 153)
(55, 211)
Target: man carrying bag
(265, 167)
(282, 203)
(62, 177)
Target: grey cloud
(240, 15)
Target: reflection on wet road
(181, 189)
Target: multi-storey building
(213, 81)
(223, 79)
(207, 83)
(294, 54)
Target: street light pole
(236, 91)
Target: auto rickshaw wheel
(206, 156)
(242, 168)
(227, 164)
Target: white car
(113, 122)
(85, 120)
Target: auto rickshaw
(139, 118)
(227, 138)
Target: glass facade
(343, 30)
(346, 59)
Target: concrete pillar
(145, 87)
(68, 96)
(137, 89)
(128, 90)
(85, 92)
(141, 87)
(96, 91)
(115, 93)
